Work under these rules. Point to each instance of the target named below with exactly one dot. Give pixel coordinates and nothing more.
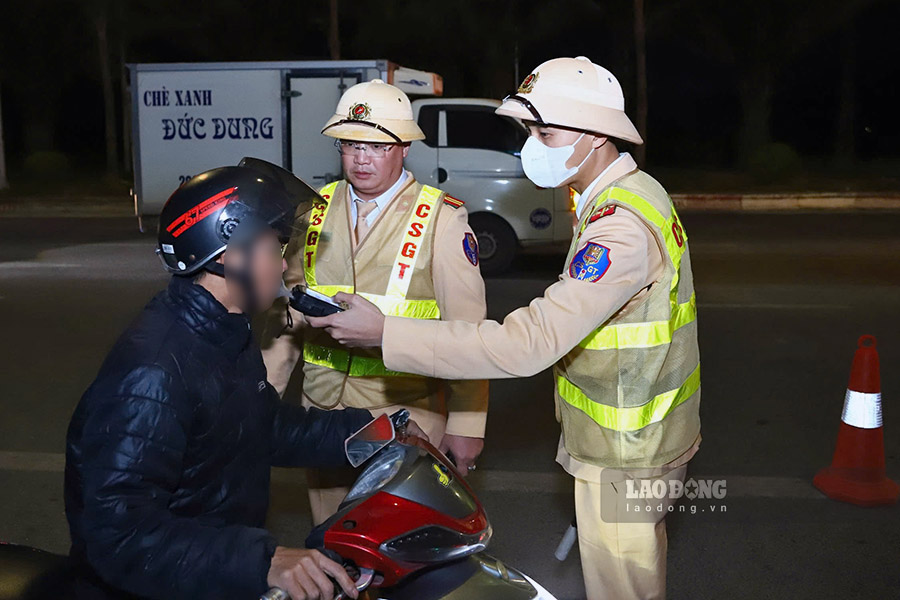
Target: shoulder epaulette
(451, 201)
(609, 209)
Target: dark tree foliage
(722, 79)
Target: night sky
(703, 56)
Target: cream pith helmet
(373, 111)
(576, 93)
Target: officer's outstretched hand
(361, 325)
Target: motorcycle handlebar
(400, 419)
(280, 594)
(366, 576)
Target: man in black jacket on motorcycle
(168, 452)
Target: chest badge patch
(470, 247)
(591, 263)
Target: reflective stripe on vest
(655, 333)
(341, 360)
(408, 253)
(639, 335)
(392, 304)
(672, 231)
(391, 307)
(632, 418)
(314, 232)
(642, 335)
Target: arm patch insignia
(591, 263)
(470, 248)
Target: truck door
(314, 158)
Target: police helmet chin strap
(376, 126)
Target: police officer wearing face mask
(619, 329)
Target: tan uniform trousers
(329, 487)
(622, 559)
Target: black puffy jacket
(168, 454)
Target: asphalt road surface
(782, 302)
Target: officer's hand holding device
(313, 304)
(360, 326)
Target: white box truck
(191, 117)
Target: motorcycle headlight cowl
(435, 544)
(379, 472)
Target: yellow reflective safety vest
(392, 269)
(629, 394)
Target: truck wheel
(497, 243)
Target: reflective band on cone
(862, 410)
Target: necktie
(363, 209)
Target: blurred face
(267, 267)
(372, 168)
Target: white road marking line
(488, 480)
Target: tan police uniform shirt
(533, 338)
(459, 292)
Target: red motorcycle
(411, 528)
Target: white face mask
(546, 166)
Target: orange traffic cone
(856, 474)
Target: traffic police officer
(619, 328)
(405, 246)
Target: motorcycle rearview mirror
(368, 441)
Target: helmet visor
(283, 209)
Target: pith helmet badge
(360, 111)
(528, 83)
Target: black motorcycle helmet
(225, 206)
(228, 207)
